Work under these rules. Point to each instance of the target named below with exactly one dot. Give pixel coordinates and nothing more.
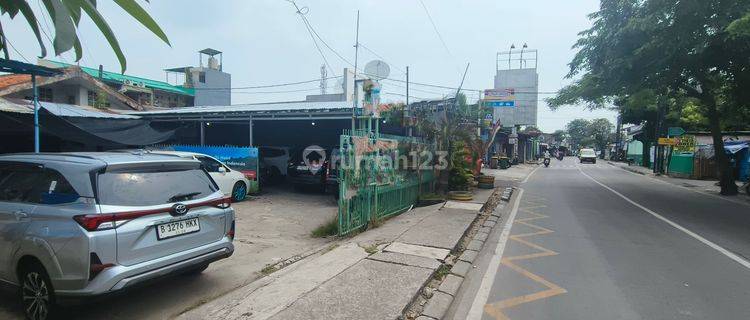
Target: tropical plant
(66, 16)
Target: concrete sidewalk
(374, 275)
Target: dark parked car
(315, 172)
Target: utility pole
(408, 108)
(36, 113)
(356, 92)
(618, 136)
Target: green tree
(692, 48)
(578, 130)
(66, 15)
(600, 131)
(558, 135)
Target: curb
(443, 286)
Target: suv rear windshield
(147, 188)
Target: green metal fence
(380, 176)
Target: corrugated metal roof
(261, 107)
(120, 78)
(60, 109)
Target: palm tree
(65, 16)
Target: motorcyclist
(546, 154)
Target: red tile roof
(13, 79)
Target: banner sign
(500, 97)
(667, 141)
(685, 144)
(242, 159)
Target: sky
(266, 42)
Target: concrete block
(438, 305)
(489, 223)
(461, 268)
(369, 290)
(406, 259)
(424, 317)
(415, 250)
(475, 245)
(492, 218)
(481, 236)
(485, 229)
(468, 256)
(463, 205)
(451, 284)
(442, 229)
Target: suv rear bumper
(122, 277)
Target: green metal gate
(380, 176)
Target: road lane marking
(696, 236)
(496, 309)
(705, 193)
(530, 174)
(477, 307)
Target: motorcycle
(546, 162)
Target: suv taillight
(222, 203)
(105, 221)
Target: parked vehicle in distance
(587, 155)
(315, 173)
(276, 160)
(231, 182)
(76, 225)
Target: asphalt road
(591, 241)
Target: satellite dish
(377, 69)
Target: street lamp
(520, 60)
(512, 46)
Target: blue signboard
(500, 103)
(240, 158)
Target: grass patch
(269, 269)
(442, 271)
(330, 228)
(371, 249)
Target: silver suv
(82, 224)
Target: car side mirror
(222, 170)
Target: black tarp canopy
(82, 125)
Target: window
(202, 77)
(97, 100)
(52, 188)
(17, 181)
(91, 98)
(148, 188)
(45, 94)
(209, 164)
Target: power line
(309, 31)
(44, 18)
(14, 49)
(434, 27)
(269, 85)
(381, 57)
(283, 91)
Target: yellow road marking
(496, 309)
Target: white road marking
(477, 307)
(696, 236)
(530, 174)
(683, 187)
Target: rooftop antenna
(323, 77)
